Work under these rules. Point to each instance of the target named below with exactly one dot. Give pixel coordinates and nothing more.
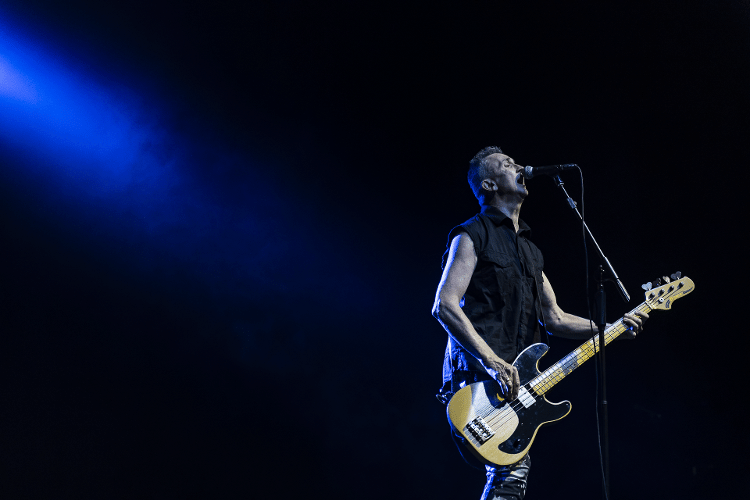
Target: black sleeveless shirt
(502, 299)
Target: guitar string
(554, 374)
(550, 377)
(557, 372)
(507, 411)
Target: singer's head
(495, 178)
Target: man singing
(493, 297)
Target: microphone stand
(601, 302)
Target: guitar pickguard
(529, 421)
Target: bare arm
(569, 326)
(462, 261)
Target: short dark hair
(478, 168)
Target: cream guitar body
(501, 432)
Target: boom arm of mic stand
(605, 260)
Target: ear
(489, 185)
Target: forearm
(559, 322)
(569, 326)
(458, 326)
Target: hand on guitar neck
(635, 323)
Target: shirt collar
(499, 218)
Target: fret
(555, 373)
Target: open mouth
(520, 180)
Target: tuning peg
(661, 281)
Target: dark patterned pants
(507, 482)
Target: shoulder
(535, 253)
(476, 228)
(462, 249)
(533, 246)
(476, 231)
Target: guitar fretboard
(555, 373)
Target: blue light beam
(106, 155)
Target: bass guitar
(501, 432)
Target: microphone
(530, 172)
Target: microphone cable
(594, 335)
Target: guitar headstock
(668, 289)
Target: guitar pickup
(480, 430)
(525, 398)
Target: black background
(301, 359)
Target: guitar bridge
(480, 430)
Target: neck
(511, 208)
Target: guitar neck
(555, 373)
